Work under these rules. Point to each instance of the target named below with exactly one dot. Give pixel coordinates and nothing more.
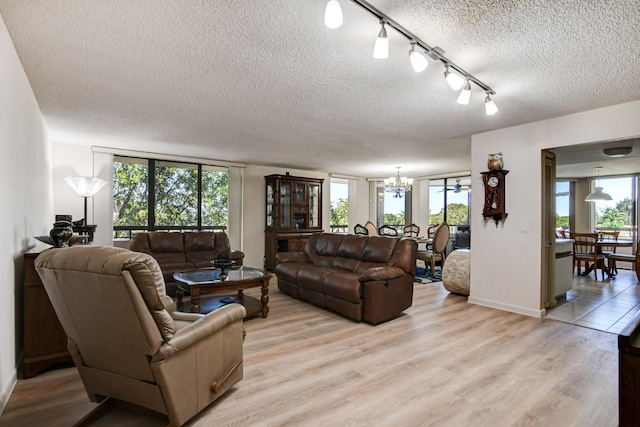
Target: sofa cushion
(327, 244)
(379, 249)
(288, 271)
(312, 277)
(343, 285)
(198, 241)
(351, 246)
(163, 242)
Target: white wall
(26, 197)
(506, 261)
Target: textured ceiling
(265, 82)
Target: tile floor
(603, 305)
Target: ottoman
(455, 272)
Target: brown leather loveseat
(184, 251)
(364, 278)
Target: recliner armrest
(207, 325)
(381, 273)
(292, 257)
(236, 254)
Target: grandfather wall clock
(494, 190)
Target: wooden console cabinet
(294, 212)
(44, 340)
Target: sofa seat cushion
(348, 264)
(312, 276)
(344, 285)
(288, 271)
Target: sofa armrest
(235, 254)
(207, 325)
(381, 273)
(292, 257)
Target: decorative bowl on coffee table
(223, 265)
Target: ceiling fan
(458, 188)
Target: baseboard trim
(6, 391)
(507, 307)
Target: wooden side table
(44, 340)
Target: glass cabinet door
(270, 205)
(285, 204)
(300, 193)
(314, 205)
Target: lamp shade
(597, 196)
(465, 94)
(456, 81)
(381, 48)
(418, 61)
(333, 14)
(85, 186)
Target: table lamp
(85, 187)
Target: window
(616, 214)
(339, 194)
(454, 194)
(160, 195)
(563, 204)
(450, 201)
(393, 211)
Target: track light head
(333, 14)
(456, 81)
(418, 61)
(381, 48)
(490, 106)
(465, 94)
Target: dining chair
(603, 237)
(360, 229)
(585, 249)
(633, 258)
(387, 230)
(371, 228)
(440, 241)
(411, 230)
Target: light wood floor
(443, 363)
(606, 305)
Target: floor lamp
(85, 187)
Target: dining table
(600, 243)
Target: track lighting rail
(434, 53)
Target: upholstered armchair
(438, 253)
(127, 340)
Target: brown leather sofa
(126, 338)
(184, 251)
(364, 278)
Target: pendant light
(597, 195)
(333, 14)
(381, 48)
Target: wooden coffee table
(206, 280)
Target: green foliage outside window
(617, 217)
(176, 194)
(394, 219)
(340, 212)
(457, 214)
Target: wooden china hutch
(294, 212)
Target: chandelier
(398, 185)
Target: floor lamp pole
(86, 220)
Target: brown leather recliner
(364, 278)
(126, 338)
(177, 251)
